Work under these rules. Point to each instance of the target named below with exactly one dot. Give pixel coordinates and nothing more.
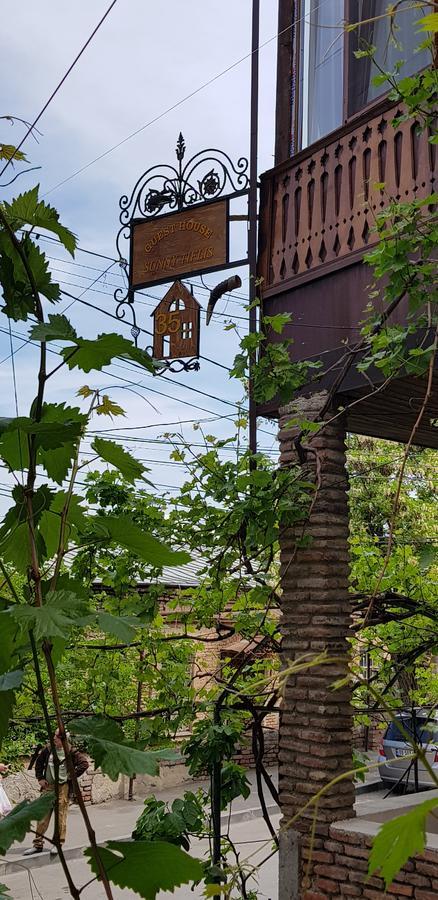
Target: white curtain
(401, 45)
(322, 56)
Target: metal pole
(252, 211)
(216, 802)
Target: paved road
(48, 883)
(39, 878)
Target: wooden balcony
(318, 209)
(317, 213)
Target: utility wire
(180, 102)
(58, 87)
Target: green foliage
(398, 840)
(27, 209)
(60, 611)
(146, 867)
(234, 783)
(209, 743)
(112, 752)
(18, 289)
(4, 893)
(175, 822)
(16, 824)
(120, 530)
(9, 681)
(114, 454)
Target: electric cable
(58, 87)
(180, 102)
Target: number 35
(167, 324)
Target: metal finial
(180, 147)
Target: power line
(59, 85)
(180, 102)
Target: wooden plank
(178, 244)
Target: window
(424, 730)
(332, 84)
(176, 305)
(321, 68)
(388, 50)
(186, 330)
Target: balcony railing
(318, 209)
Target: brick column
(316, 721)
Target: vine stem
(74, 891)
(69, 761)
(36, 577)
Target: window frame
(296, 117)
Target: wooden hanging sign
(176, 324)
(179, 244)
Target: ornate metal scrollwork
(173, 188)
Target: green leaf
(14, 533)
(58, 328)
(57, 435)
(398, 840)
(11, 680)
(112, 753)
(429, 22)
(112, 453)
(27, 209)
(122, 627)
(67, 424)
(61, 610)
(278, 322)
(107, 407)
(4, 893)
(147, 867)
(96, 354)
(16, 824)
(123, 531)
(8, 151)
(51, 521)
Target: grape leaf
(8, 151)
(11, 680)
(123, 531)
(398, 840)
(18, 290)
(66, 421)
(113, 453)
(14, 533)
(122, 627)
(146, 867)
(51, 521)
(97, 353)
(58, 328)
(56, 438)
(9, 645)
(16, 824)
(60, 611)
(27, 209)
(112, 752)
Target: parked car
(395, 751)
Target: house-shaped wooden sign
(176, 324)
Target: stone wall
(98, 788)
(340, 863)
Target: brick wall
(339, 870)
(316, 721)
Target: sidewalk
(116, 819)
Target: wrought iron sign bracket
(159, 195)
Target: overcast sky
(146, 58)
